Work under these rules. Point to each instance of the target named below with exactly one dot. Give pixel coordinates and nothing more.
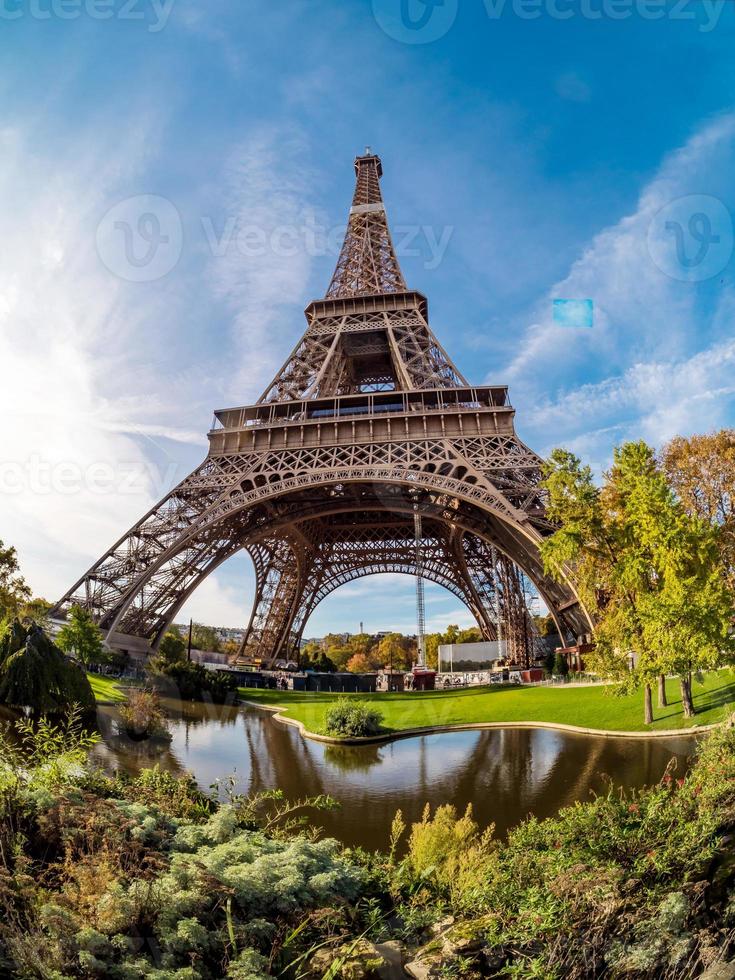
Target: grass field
(105, 689)
(585, 707)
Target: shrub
(353, 718)
(148, 878)
(450, 854)
(615, 882)
(191, 681)
(176, 796)
(142, 717)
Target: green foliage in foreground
(149, 877)
(601, 707)
(35, 674)
(352, 717)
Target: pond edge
(277, 712)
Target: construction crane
(420, 605)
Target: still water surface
(505, 773)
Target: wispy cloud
(82, 458)
(262, 264)
(656, 361)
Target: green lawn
(105, 689)
(585, 707)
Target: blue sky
(527, 158)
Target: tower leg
(280, 578)
(497, 581)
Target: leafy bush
(351, 717)
(46, 754)
(447, 852)
(142, 718)
(145, 877)
(615, 883)
(190, 681)
(177, 796)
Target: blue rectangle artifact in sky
(573, 312)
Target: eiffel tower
(367, 422)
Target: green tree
(14, 592)
(205, 638)
(321, 663)
(337, 649)
(38, 611)
(361, 643)
(171, 650)
(649, 573)
(35, 674)
(546, 626)
(560, 667)
(308, 655)
(395, 649)
(451, 634)
(470, 635)
(82, 637)
(701, 470)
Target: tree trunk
(647, 705)
(686, 696)
(662, 702)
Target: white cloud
(64, 450)
(218, 603)
(656, 361)
(263, 273)
(653, 401)
(91, 421)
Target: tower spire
(367, 264)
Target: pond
(505, 773)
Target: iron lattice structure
(367, 422)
